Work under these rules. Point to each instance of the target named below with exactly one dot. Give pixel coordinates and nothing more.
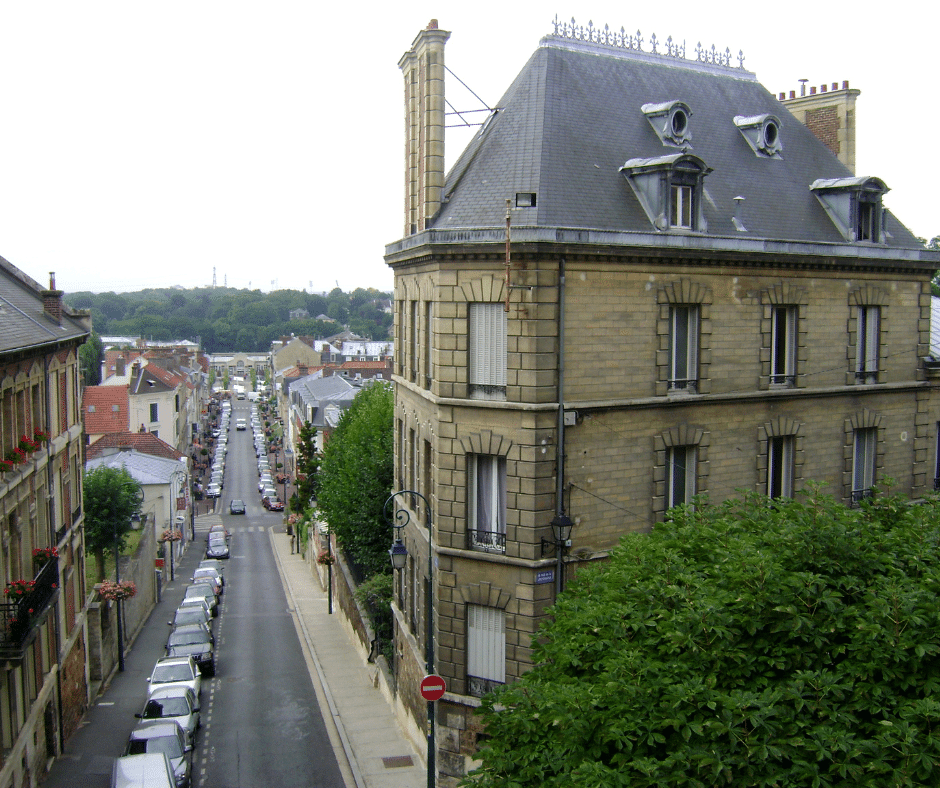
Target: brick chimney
(830, 114)
(52, 301)
(423, 70)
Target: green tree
(90, 356)
(749, 644)
(356, 478)
(112, 497)
(308, 469)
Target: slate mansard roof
(23, 320)
(573, 117)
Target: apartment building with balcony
(643, 281)
(43, 687)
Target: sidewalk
(378, 753)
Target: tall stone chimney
(423, 69)
(829, 113)
(52, 301)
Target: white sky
(143, 144)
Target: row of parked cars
(266, 488)
(217, 469)
(160, 749)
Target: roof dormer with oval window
(762, 133)
(670, 121)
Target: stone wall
(102, 613)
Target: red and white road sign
(432, 687)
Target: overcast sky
(150, 144)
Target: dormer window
(669, 189)
(670, 121)
(762, 133)
(854, 205)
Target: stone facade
(800, 352)
(42, 646)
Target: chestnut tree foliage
(355, 478)
(112, 497)
(786, 644)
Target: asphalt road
(262, 724)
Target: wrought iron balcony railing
(477, 687)
(488, 541)
(18, 616)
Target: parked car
(150, 770)
(217, 548)
(209, 563)
(176, 670)
(166, 737)
(206, 591)
(236, 506)
(216, 530)
(265, 481)
(191, 614)
(209, 571)
(273, 504)
(268, 492)
(211, 580)
(213, 491)
(174, 703)
(196, 641)
(241, 424)
(199, 603)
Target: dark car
(236, 506)
(196, 641)
(191, 615)
(217, 548)
(273, 504)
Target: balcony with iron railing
(19, 616)
(477, 687)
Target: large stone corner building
(643, 280)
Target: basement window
(525, 199)
(855, 206)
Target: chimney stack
(52, 301)
(830, 115)
(423, 71)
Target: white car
(213, 491)
(176, 670)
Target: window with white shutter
(487, 351)
(486, 649)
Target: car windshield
(168, 744)
(166, 707)
(165, 673)
(188, 638)
(200, 589)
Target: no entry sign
(432, 688)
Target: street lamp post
(120, 603)
(561, 539)
(398, 554)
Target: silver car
(163, 736)
(175, 703)
(176, 670)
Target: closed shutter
(487, 349)
(486, 643)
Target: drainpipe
(560, 443)
(50, 503)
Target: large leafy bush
(775, 644)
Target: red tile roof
(144, 442)
(105, 409)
